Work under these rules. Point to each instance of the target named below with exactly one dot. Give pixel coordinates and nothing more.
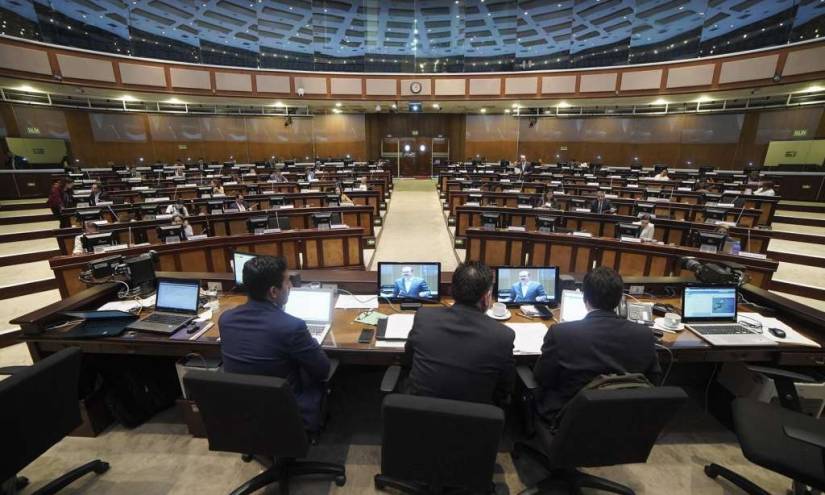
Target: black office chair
(256, 416)
(781, 439)
(600, 427)
(40, 407)
(431, 445)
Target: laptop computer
(176, 304)
(710, 312)
(572, 306)
(315, 307)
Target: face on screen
(526, 285)
(412, 280)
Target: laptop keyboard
(164, 319)
(316, 330)
(723, 329)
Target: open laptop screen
(572, 306)
(239, 259)
(716, 303)
(178, 295)
(311, 305)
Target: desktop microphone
(741, 212)
(130, 235)
(277, 221)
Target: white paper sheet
(529, 337)
(399, 326)
(356, 302)
(791, 335)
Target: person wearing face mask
(260, 338)
(459, 352)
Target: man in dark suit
(410, 285)
(601, 204)
(576, 352)
(96, 195)
(459, 352)
(259, 338)
(526, 290)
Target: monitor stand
(410, 306)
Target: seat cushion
(760, 428)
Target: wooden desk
(226, 224)
(601, 225)
(309, 248)
(580, 254)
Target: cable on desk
(669, 364)
(378, 296)
(710, 382)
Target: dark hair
(603, 288)
(261, 273)
(471, 281)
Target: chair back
(248, 414)
(40, 406)
(440, 442)
(609, 427)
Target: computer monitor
(628, 230)
(204, 190)
(418, 281)
(278, 222)
(84, 216)
(577, 203)
(704, 170)
(277, 201)
(332, 200)
(715, 303)
(547, 224)
(256, 225)
(322, 220)
(168, 234)
(711, 242)
(523, 285)
(141, 272)
(253, 189)
(215, 207)
(90, 241)
(314, 306)
(524, 200)
(714, 214)
(239, 259)
(177, 296)
(490, 221)
(645, 209)
(572, 306)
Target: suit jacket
(417, 285)
(575, 352)
(460, 353)
(95, 198)
(534, 290)
(606, 207)
(259, 338)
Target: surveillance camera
(300, 91)
(777, 78)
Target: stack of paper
(791, 335)
(399, 326)
(356, 302)
(529, 337)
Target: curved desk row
(302, 249)
(226, 224)
(573, 253)
(602, 225)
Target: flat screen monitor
(714, 214)
(628, 230)
(523, 285)
(91, 240)
(322, 220)
(178, 296)
(87, 215)
(277, 201)
(256, 225)
(332, 200)
(416, 281)
(711, 241)
(547, 224)
(709, 303)
(278, 222)
(645, 208)
(490, 221)
(525, 200)
(170, 233)
(239, 259)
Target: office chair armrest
(526, 376)
(390, 379)
(779, 373)
(10, 370)
(333, 367)
(815, 438)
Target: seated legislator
(240, 203)
(765, 189)
(186, 228)
(550, 200)
(177, 208)
(277, 177)
(345, 200)
(217, 188)
(601, 204)
(648, 228)
(526, 290)
(459, 352)
(89, 227)
(260, 338)
(96, 195)
(409, 285)
(576, 352)
(662, 175)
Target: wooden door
(416, 157)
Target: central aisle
(414, 228)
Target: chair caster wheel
(711, 472)
(101, 467)
(340, 480)
(247, 457)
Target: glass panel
(99, 26)
(164, 30)
(810, 20)
(601, 32)
(544, 42)
(18, 18)
(734, 25)
(226, 29)
(335, 50)
(666, 30)
(490, 33)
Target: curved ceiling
(415, 36)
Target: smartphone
(366, 336)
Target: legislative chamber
(470, 246)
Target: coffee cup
(671, 321)
(499, 309)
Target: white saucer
(659, 323)
(506, 316)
